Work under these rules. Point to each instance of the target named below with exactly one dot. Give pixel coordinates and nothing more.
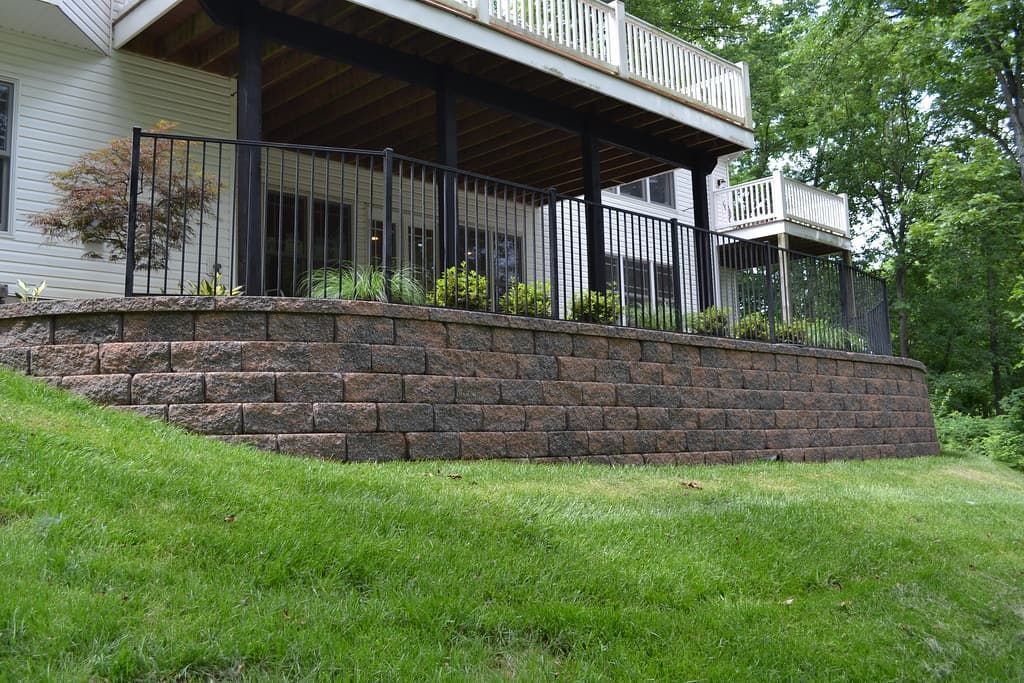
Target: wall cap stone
(197, 304)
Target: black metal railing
(224, 217)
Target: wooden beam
(310, 36)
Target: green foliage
(213, 287)
(993, 437)
(92, 200)
(969, 393)
(30, 293)
(713, 321)
(660, 317)
(364, 282)
(461, 287)
(596, 307)
(753, 326)
(1013, 407)
(532, 299)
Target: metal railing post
(769, 291)
(386, 236)
(677, 276)
(133, 214)
(553, 252)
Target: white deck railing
(605, 35)
(778, 198)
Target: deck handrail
(604, 35)
(778, 198)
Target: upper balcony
(767, 207)
(608, 37)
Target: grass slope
(131, 550)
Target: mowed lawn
(130, 550)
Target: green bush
(795, 331)
(461, 287)
(365, 283)
(753, 326)
(969, 393)
(596, 307)
(660, 317)
(1013, 407)
(527, 299)
(712, 321)
(995, 437)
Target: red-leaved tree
(92, 200)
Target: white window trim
(646, 199)
(7, 225)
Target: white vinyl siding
(72, 101)
(92, 17)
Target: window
(421, 252)
(656, 189)
(6, 133)
(641, 283)
(299, 239)
(496, 258)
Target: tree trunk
(901, 297)
(993, 338)
(1012, 90)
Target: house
(559, 161)
(561, 142)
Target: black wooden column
(447, 155)
(250, 127)
(704, 248)
(596, 280)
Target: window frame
(7, 184)
(645, 185)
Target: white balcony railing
(778, 198)
(605, 35)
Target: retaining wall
(369, 381)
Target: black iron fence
(225, 217)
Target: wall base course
(367, 381)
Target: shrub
(365, 282)
(527, 299)
(712, 321)
(969, 393)
(795, 331)
(92, 200)
(660, 317)
(753, 326)
(994, 437)
(596, 307)
(461, 287)
(212, 287)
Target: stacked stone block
(370, 381)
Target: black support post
(553, 252)
(847, 307)
(250, 127)
(596, 280)
(704, 249)
(447, 155)
(677, 277)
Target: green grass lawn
(130, 550)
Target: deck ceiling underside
(311, 100)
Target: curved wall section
(367, 381)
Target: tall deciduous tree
(977, 66)
(860, 125)
(967, 254)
